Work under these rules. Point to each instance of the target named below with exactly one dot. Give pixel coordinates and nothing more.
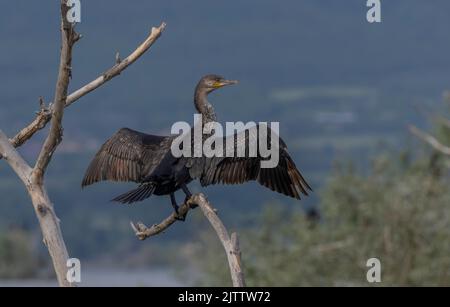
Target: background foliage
(398, 213)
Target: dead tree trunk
(33, 177)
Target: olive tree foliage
(397, 211)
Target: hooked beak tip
(231, 82)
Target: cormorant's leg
(175, 207)
(174, 202)
(188, 194)
(186, 190)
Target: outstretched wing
(127, 156)
(284, 178)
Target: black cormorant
(147, 160)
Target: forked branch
(14, 159)
(44, 116)
(230, 244)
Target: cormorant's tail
(142, 192)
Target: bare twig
(44, 117)
(231, 245)
(430, 140)
(332, 246)
(118, 67)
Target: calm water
(109, 278)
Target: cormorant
(147, 160)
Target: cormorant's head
(210, 83)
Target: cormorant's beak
(229, 82)
(226, 82)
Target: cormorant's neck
(203, 106)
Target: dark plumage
(147, 159)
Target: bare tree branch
(44, 116)
(143, 232)
(68, 39)
(234, 252)
(231, 245)
(430, 140)
(118, 67)
(14, 159)
(48, 221)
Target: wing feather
(127, 156)
(284, 178)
